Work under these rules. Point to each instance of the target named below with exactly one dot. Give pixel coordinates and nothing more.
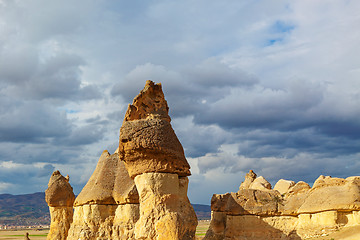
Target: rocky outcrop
(140, 191)
(108, 205)
(283, 186)
(289, 211)
(154, 157)
(147, 141)
(60, 198)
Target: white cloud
(4, 186)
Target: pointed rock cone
(60, 198)
(109, 184)
(108, 205)
(147, 141)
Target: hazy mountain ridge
(31, 209)
(26, 209)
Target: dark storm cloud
(88, 134)
(32, 121)
(187, 90)
(56, 78)
(29, 153)
(68, 70)
(285, 108)
(15, 174)
(46, 170)
(199, 140)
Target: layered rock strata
(289, 211)
(60, 198)
(108, 205)
(155, 159)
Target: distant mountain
(203, 212)
(31, 209)
(27, 209)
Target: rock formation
(139, 192)
(289, 211)
(60, 198)
(108, 205)
(147, 141)
(155, 159)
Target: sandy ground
(19, 234)
(41, 235)
(349, 233)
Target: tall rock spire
(147, 141)
(154, 157)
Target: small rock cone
(60, 198)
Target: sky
(272, 86)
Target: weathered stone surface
(61, 218)
(217, 226)
(249, 178)
(59, 192)
(60, 198)
(124, 222)
(150, 161)
(108, 205)
(165, 212)
(299, 212)
(299, 188)
(283, 186)
(294, 198)
(147, 141)
(155, 159)
(109, 184)
(247, 201)
(99, 221)
(332, 194)
(92, 222)
(251, 227)
(186, 211)
(260, 183)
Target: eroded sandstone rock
(283, 186)
(155, 159)
(60, 198)
(108, 205)
(140, 191)
(109, 184)
(291, 211)
(332, 194)
(249, 178)
(260, 183)
(147, 141)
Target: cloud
(198, 140)
(186, 90)
(271, 86)
(59, 77)
(13, 175)
(32, 121)
(87, 134)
